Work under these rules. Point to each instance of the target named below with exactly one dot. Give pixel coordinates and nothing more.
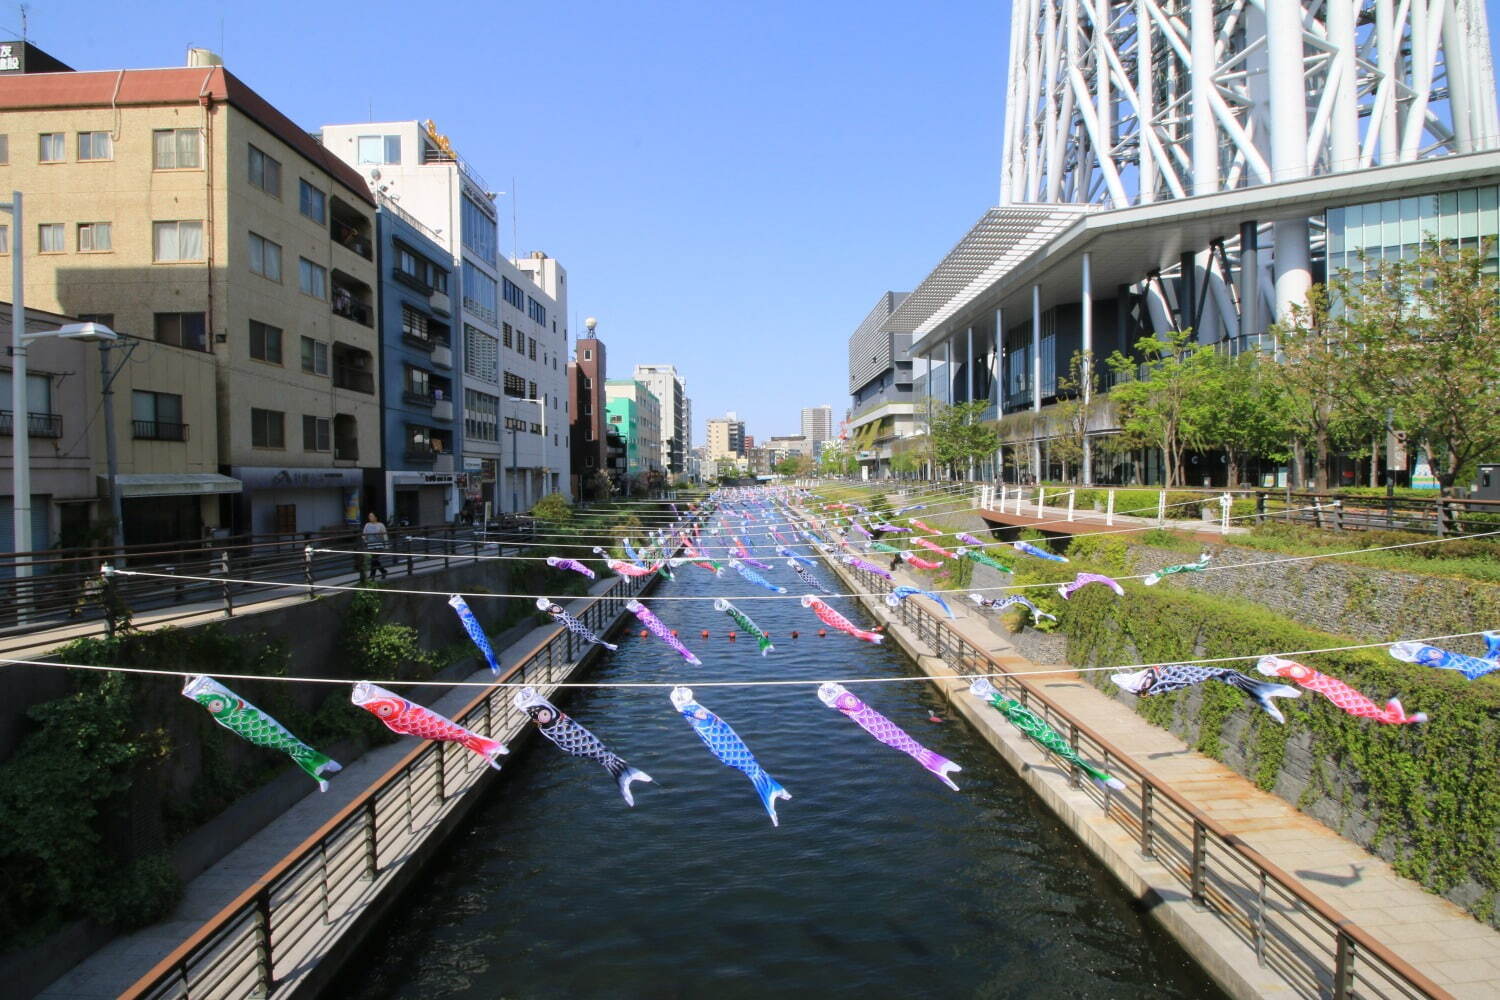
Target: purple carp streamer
(1032, 550)
(559, 562)
(254, 726)
(754, 577)
(724, 743)
(661, 631)
(964, 536)
(1193, 567)
(573, 739)
(1472, 667)
(1084, 579)
(755, 562)
(744, 622)
(837, 697)
(1176, 676)
(1011, 600)
(868, 567)
(572, 624)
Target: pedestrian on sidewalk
(375, 538)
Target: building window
(312, 279)
(481, 416)
(418, 441)
(536, 310)
(51, 147)
(267, 428)
(531, 394)
(481, 354)
(312, 202)
(515, 386)
(50, 238)
(531, 348)
(418, 384)
(5, 239)
(479, 230)
(506, 331)
(265, 342)
(265, 172)
(176, 241)
(513, 294)
(265, 257)
(94, 146)
(94, 237)
(314, 356)
(379, 149)
(157, 416)
(175, 149)
(317, 434)
(4, 149)
(182, 329)
(479, 293)
(414, 326)
(588, 354)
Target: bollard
(1161, 509)
(224, 571)
(307, 570)
(1072, 496)
(1109, 509)
(1041, 498)
(1224, 503)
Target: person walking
(375, 538)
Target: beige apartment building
(237, 257)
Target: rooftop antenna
(24, 10)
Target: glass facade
(1393, 230)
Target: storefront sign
(255, 477)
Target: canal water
(880, 881)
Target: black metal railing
(356, 379)
(40, 425)
(158, 430)
(351, 309)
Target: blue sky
(729, 184)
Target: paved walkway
(1444, 942)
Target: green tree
(1317, 373)
(906, 462)
(1071, 417)
(1247, 418)
(1424, 336)
(1168, 404)
(794, 465)
(960, 435)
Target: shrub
(553, 507)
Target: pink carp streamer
(558, 562)
(833, 619)
(836, 696)
(923, 525)
(919, 562)
(1084, 579)
(934, 547)
(868, 567)
(624, 568)
(411, 719)
(1336, 691)
(661, 631)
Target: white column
(1205, 133)
(1144, 97)
(1385, 54)
(969, 364)
(1288, 148)
(1343, 127)
(1087, 371)
(997, 392)
(948, 371)
(1036, 374)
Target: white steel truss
(1117, 102)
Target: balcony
(440, 302)
(442, 409)
(353, 379)
(38, 425)
(442, 463)
(419, 455)
(345, 438)
(414, 398)
(442, 355)
(159, 430)
(352, 299)
(350, 228)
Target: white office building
(676, 414)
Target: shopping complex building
(1199, 168)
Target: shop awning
(173, 484)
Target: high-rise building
(635, 411)
(726, 437)
(510, 339)
(179, 207)
(586, 407)
(817, 424)
(880, 388)
(670, 389)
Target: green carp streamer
(251, 724)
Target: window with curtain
(314, 356)
(94, 237)
(265, 257)
(312, 279)
(94, 146)
(50, 238)
(51, 147)
(312, 202)
(265, 172)
(176, 149)
(176, 241)
(265, 342)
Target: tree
(1071, 417)
(960, 436)
(1425, 335)
(1169, 404)
(1018, 430)
(1317, 373)
(906, 462)
(1248, 416)
(794, 465)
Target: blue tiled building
(419, 439)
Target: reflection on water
(879, 882)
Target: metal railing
(282, 923)
(66, 591)
(158, 430)
(42, 425)
(1312, 946)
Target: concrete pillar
(1187, 292)
(948, 371)
(1250, 322)
(969, 365)
(1288, 107)
(1205, 132)
(1036, 372)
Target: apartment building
(670, 389)
(419, 443)
(726, 437)
(182, 209)
(636, 412)
(510, 337)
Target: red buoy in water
(644, 633)
(794, 633)
(705, 633)
(822, 632)
(674, 633)
(731, 637)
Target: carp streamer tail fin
(627, 776)
(769, 791)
